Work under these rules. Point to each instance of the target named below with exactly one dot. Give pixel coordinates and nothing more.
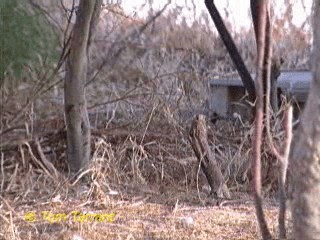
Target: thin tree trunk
(259, 10)
(77, 121)
(305, 153)
(276, 62)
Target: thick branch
(232, 49)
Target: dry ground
(141, 214)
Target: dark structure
(228, 96)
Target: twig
(2, 172)
(13, 211)
(44, 160)
(39, 163)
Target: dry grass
(134, 219)
(148, 179)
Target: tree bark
(260, 11)
(77, 121)
(199, 142)
(304, 166)
(270, 77)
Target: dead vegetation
(148, 177)
(146, 86)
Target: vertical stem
(259, 14)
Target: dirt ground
(134, 213)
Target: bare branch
(232, 49)
(259, 9)
(123, 46)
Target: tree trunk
(199, 142)
(305, 154)
(77, 121)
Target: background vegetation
(146, 80)
(27, 39)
